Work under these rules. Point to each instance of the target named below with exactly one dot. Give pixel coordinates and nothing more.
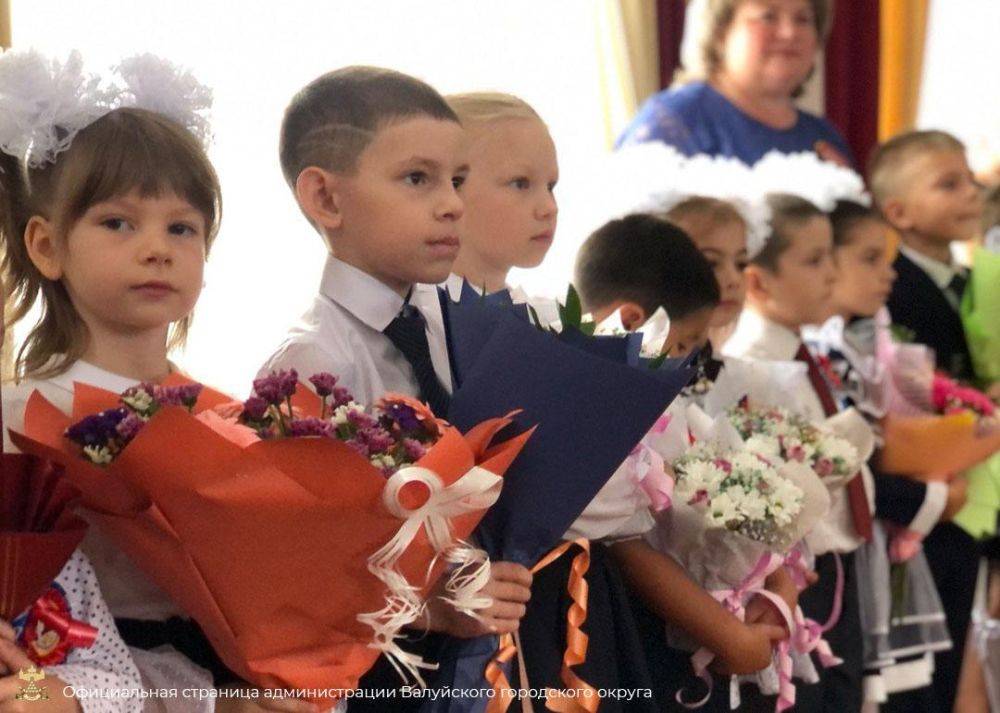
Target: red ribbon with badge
(50, 632)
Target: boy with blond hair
(925, 189)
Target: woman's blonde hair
(488, 107)
(717, 16)
(701, 214)
(125, 150)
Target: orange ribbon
(497, 678)
(584, 698)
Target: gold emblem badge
(31, 692)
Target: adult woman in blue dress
(737, 95)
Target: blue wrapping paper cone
(591, 399)
(589, 412)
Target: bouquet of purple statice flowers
(397, 432)
(181, 477)
(103, 435)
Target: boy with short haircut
(924, 188)
(634, 266)
(640, 263)
(375, 159)
(789, 285)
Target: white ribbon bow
(478, 489)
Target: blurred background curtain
(670, 17)
(852, 75)
(903, 33)
(6, 350)
(628, 58)
(638, 42)
(641, 24)
(4, 23)
(614, 78)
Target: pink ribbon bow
(734, 600)
(807, 636)
(797, 569)
(649, 472)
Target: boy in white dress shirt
(376, 160)
(789, 285)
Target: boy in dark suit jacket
(924, 187)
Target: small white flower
(746, 462)
(722, 509)
(833, 448)
(98, 454)
(753, 505)
(703, 450)
(140, 401)
(339, 417)
(764, 444)
(786, 499)
(383, 460)
(702, 475)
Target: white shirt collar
(453, 285)
(940, 272)
(546, 309)
(364, 296)
(755, 332)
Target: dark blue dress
(696, 119)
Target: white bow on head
(45, 102)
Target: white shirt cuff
(930, 512)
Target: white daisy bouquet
(775, 432)
(734, 518)
(739, 491)
(748, 492)
(731, 506)
(762, 404)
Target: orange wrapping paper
(266, 546)
(934, 448)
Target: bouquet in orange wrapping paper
(934, 428)
(301, 531)
(38, 529)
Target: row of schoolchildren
(409, 190)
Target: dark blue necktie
(409, 335)
(956, 286)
